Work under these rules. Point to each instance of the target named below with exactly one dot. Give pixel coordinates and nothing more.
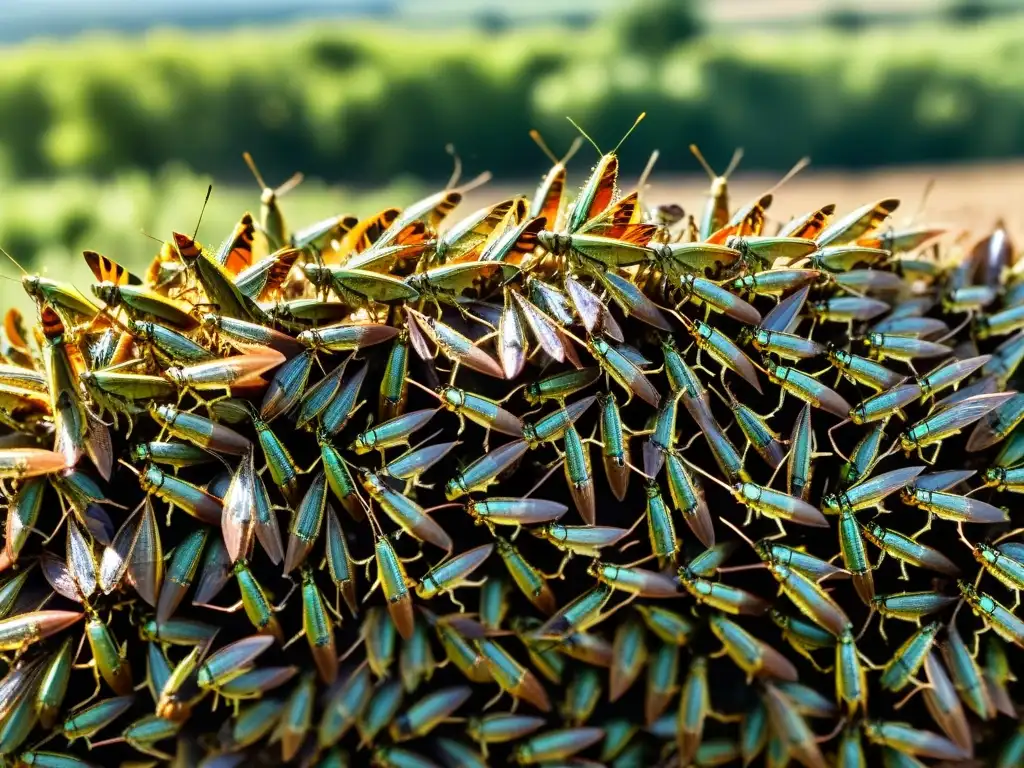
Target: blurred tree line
(368, 104)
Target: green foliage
(846, 19)
(969, 11)
(366, 104)
(655, 27)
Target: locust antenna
(800, 164)
(132, 469)
(289, 185)
(706, 474)
(478, 181)
(457, 170)
(585, 135)
(737, 155)
(255, 171)
(540, 482)
(1007, 535)
(425, 388)
(573, 148)
(928, 187)
(539, 141)
(704, 163)
(209, 191)
(14, 260)
(631, 129)
(740, 533)
(648, 169)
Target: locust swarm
(570, 480)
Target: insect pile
(563, 482)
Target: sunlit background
(115, 114)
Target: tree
(968, 11)
(654, 27)
(846, 19)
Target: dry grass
(972, 197)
